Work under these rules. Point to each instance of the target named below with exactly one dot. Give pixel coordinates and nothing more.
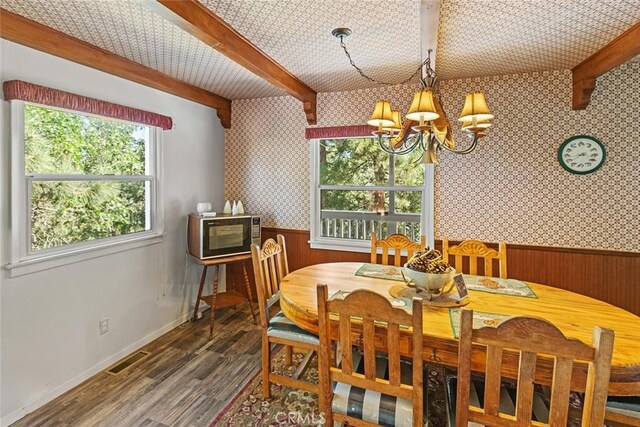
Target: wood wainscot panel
(609, 276)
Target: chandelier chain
(426, 63)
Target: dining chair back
(270, 266)
(476, 250)
(361, 314)
(530, 337)
(396, 243)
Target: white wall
(49, 320)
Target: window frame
(317, 241)
(23, 259)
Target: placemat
(378, 271)
(495, 285)
(480, 319)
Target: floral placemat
(378, 271)
(496, 285)
(493, 285)
(480, 319)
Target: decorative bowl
(430, 281)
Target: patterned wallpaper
(267, 160)
(511, 188)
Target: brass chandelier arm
(434, 130)
(390, 148)
(467, 150)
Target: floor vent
(127, 362)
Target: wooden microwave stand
(222, 299)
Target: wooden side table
(222, 299)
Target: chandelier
(425, 126)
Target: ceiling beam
(429, 26)
(29, 33)
(623, 48)
(196, 19)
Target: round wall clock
(581, 154)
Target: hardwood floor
(185, 381)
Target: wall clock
(581, 154)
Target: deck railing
(359, 225)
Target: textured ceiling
(129, 30)
(476, 37)
(494, 37)
(297, 34)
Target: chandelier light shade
(422, 108)
(469, 126)
(381, 116)
(433, 131)
(475, 108)
(397, 123)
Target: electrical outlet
(104, 326)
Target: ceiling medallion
(432, 130)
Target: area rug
(292, 407)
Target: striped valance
(339, 132)
(24, 91)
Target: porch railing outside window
(358, 226)
(359, 189)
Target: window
(357, 188)
(80, 182)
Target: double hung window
(358, 189)
(80, 181)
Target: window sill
(348, 246)
(34, 265)
(342, 245)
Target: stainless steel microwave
(222, 235)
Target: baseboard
(68, 385)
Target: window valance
(29, 92)
(339, 132)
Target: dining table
(574, 314)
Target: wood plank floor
(185, 381)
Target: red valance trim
(339, 132)
(24, 91)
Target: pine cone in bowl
(428, 270)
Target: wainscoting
(609, 276)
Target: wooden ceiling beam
(623, 48)
(196, 19)
(29, 33)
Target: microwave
(222, 235)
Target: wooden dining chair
(369, 388)
(474, 250)
(395, 243)
(530, 337)
(270, 265)
(623, 411)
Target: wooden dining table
(574, 314)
